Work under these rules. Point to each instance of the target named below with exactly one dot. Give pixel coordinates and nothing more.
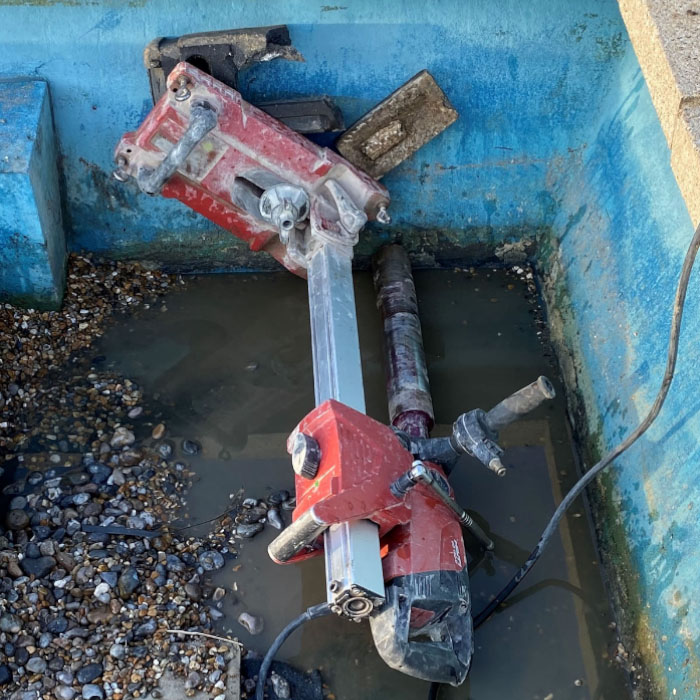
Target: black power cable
(592, 473)
(311, 613)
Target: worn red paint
(360, 459)
(247, 148)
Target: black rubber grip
(520, 403)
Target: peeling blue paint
(32, 244)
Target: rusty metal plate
(397, 127)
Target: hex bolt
(119, 173)
(383, 215)
(183, 93)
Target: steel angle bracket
(225, 54)
(397, 127)
(222, 54)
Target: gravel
(86, 613)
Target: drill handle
(519, 404)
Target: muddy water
(229, 365)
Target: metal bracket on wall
(224, 54)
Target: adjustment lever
(475, 433)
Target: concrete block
(32, 241)
(666, 38)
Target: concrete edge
(665, 35)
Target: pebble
(274, 518)
(117, 651)
(116, 478)
(130, 457)
(128, 582)
(39, 567)
(14, 569)
(65, 677)
(32, 550)
(92, 692)
(18, 503)
(58, 625)
(5, 674)
(280, 686)
(135, 412)
(218, 594)
(102, 592)
(211, 560)
(122, 437)
(80, 499)
(135, 522)
(17, 520)
(36, 665)
(146, 629)
(100, 473)
(193, 591)
(64, 692)
(278, 497)
(100, 615)
(253, 623)
(110, 578)
(165, 449)
(158, 432)
(88, 673)
(174, 563)
(191, 447)
(248, 530)
(193, 680)
(47, 548)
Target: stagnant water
(229, 365)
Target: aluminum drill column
(408, 390)
(353, 565)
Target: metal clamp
(419, 473)
(284, 206)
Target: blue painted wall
(558, 141)
(619, 238)
(524, 76)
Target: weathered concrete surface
(666, 38)
(32, 244)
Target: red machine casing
(246, 152)
(360, 460)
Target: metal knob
(306, 456)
